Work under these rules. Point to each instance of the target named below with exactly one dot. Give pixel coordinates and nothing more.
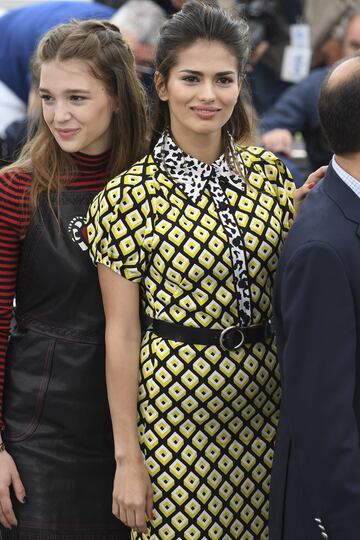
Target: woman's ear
(115, 108)
(240, 84)
(160, 86)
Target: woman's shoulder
(258, 155)
(15, 176)
(14, 184)
(263, 162)
(142, 175)
(135, 185)
(15, 199)
(141, 172)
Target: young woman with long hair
(194, 230)
(56, 453)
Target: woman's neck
(204, 147)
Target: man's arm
(319, 377)
(295, 110)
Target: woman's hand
(133, 494)
(311, 181)
(9, 476)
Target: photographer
(269, 22)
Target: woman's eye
(225, 80)
(77, 98)
(190, 78)
(45, 97)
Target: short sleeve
(119, 227)
(269, 174)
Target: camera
(260, 16)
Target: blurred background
(293, 45)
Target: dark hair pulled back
(200, 21)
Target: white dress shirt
(349, 180)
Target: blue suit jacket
(315, 491)
(296, 110)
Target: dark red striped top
(15, 215)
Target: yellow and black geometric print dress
(204, 245)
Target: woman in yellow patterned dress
(195, 231)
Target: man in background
(140, 22)
(20, 32)
(296, 110)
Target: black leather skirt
(58, 431)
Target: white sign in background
(297, 56)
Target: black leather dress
(57, 419)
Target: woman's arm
(132, 495)
(14, 219)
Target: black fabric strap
(228, 338)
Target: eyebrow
(220, 73)
(69, 91)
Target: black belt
(229, 339)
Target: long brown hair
(108, 56)
(198, 20)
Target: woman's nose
(61, 112)
(207, 92)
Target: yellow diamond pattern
(207, 417)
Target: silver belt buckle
(225, 332)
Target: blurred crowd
(294, 42)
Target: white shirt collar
(191, 173)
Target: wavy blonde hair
(100, 45)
